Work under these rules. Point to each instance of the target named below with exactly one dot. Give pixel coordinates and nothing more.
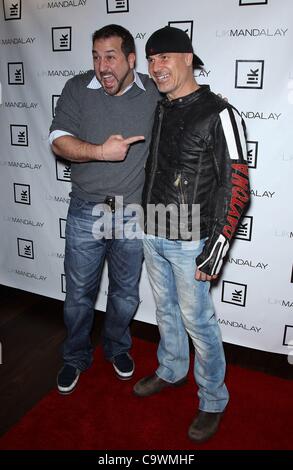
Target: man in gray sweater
(103, 126)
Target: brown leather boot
(204, 426)
(154, 384)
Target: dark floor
(31, 332)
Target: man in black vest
(197, 159)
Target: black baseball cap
(169, 39)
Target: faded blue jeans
(184, 307)
(84, 260)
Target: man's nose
(152, 67)
(156, 66)
(102, 65)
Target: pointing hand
(116, 147)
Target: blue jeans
(184, 307)
(84, 260)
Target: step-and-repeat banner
(246, 46)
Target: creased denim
(184, 307)
(84, 259)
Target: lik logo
(234, 293)
(252, 152)
(12, 9)
(19, 135)
(249, 74)
(288, 335)
(25, 248)
(22, 194)
(55, 98)
(62, 224)
(117, 6)
(244, 229)
(186, 26)
(63, 170)
(61, 39)
(244, 3)
(15, 73)
(63, 283)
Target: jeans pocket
(76, 203)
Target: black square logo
(63, 283)
(252, 152)
(15, 73)
(244, 229)
(63, 170)
(249, 74)
(117, 6)
(186, 26)
(61, 39)
(19, 135)
(62, 224)
(25, 248)
(234, 293)
(22, 193)
(55, 99)
(244, 3)
(12, 9)
(288, 335)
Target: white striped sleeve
(215, 258)
(234, 134)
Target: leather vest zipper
(155, 153)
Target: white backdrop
(247, 49)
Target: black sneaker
(67, 379)
(124, 366)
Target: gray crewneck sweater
(92, 116)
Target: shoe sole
(123, 378)
(203, 439)
(123, 375)
(66, 393)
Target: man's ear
(188, 58)
(131, 60)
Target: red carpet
(103, 414)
